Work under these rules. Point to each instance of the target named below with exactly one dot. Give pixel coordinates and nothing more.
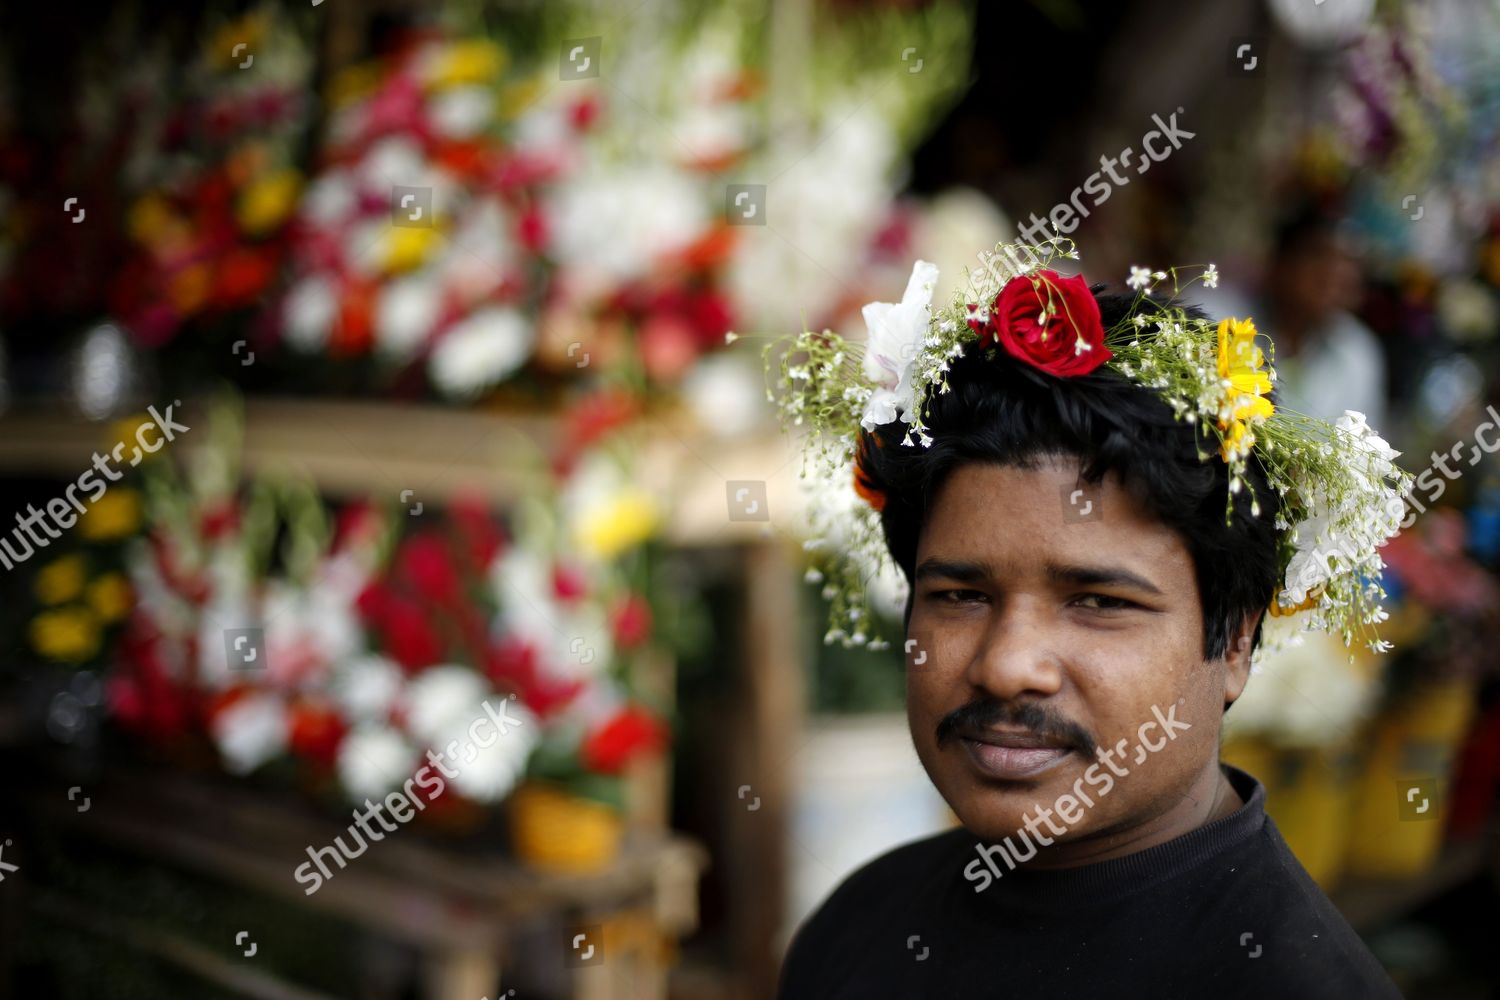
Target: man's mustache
(986, 713)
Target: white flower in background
(829, 205)
(897, 332)
(366, 688)
(727, 393)
(488, 773)
(480, 252)
(375, 759)
(405, 314)
(250, 732)
(462, 112)
(310, 309)
(612, 225)
(1140, 277)
(570, 642)
(1303, 692)
(481, 351)
(1211, 277)
(394, 160)
(329, 200)
(440, 698)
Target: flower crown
(1339, 494)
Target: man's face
(1051, 628)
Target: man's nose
(1016, 657)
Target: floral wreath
(1340, 496)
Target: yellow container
(1310, 795)
(1401, 807)
(558, 831)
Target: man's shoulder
(884, 883)
(900, 865)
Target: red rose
(1049, 322)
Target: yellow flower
(69, 635)
(1279, 610)
(268, 200)
(353, 83)
(620, 523)
(110, 597)
(474, 61)
(1240, 363)
(60, 580)
(406, 247)
(115, 515)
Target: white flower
(365, 689)
(461, 112)
(309, 312)
(481, 351)
(1139, 278)
(373, 760)
(405, 314)
(1211, 277)
(488, 773)
(440, 698)
(897, 332)
(250, 732)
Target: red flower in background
(316, 731)
(425, 563)
(511, 665)
(631, 732)
(406, 632)
(630, 620)
(482, 540)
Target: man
(1080, 617)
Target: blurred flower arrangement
(213, 180)
(374, 643)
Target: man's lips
(1012, 755)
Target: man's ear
(1237, 659)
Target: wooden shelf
(383, 449)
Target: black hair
(1004, 411)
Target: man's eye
(957, 596)
(1103, 602)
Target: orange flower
(862, 484)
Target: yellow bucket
(1310, 795)
(561, 832)
(1401, 807)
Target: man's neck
(1210, 797)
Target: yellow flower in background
(475, 60)
(248, 31)
(268, 200)
(110, 596)
(115, 515)
(69, 635)
(60, 580)
(518, 97)
(149, 219)
(188, 288)
(405, 248)
(621, 522)
(353, 83)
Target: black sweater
(1222, 911)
